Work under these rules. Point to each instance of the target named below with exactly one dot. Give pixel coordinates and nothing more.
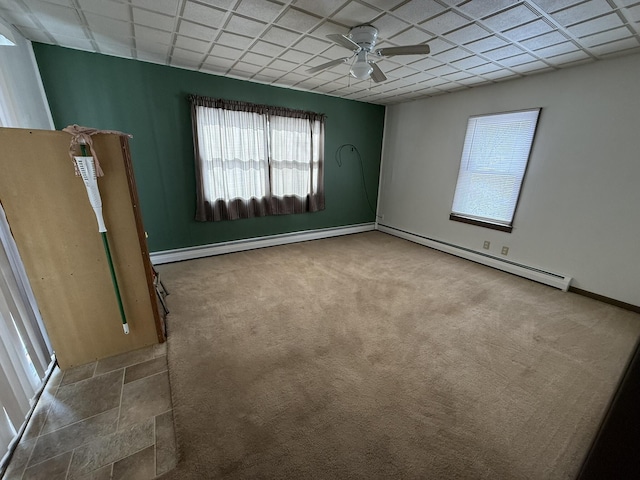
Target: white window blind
(494, 159)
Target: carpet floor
(367, 356)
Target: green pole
(114, 280)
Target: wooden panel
(57, 236)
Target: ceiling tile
(401, 72)
(413, 36)
(256, 59)
(355, 13)
(235, 41)
(153, 19)
(225, 52)
(263, 10)
(145, 46)
(531, 67)
(554, 5)
(327, 28)
(605, 37)
(192, 44)
(311, 45)
(581, 12)
(147, 56)
(266, 48)
(198, 13)
(194, 30)
(596, 25)
(511, 18)
(282, 65)
(323, 8)
(633, 13)
(280, 36)
(615, 47)
(545, 40)
(500, 75)
(469, 62)
(147, 34)
(467, 34)
(457, 76)
(518, 60)
(576, 56)
(503, 52)
(295, 56)
(558, 49)
(297, 20)
(484, 69)
(389, 25)
(537, 27)
(219, 62)
(114, 49)
(112, 28)
(452, 55)
(73, 42)
(244, 26)
(416, 11)
(425, 64)
(482, 8)
(187, 55)
(35, 34)
(442, 70)
(485, 44)
(168, 7)
(184, 63)
(246, 67)
(472, 80)
(107, 9)
(444, 23)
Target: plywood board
(57, 236)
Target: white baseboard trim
(189, 253)
(552, 279)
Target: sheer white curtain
(233, 148)
(292, 156)
(25, 352)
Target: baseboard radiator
(552, 279)
(189, 253)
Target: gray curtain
(212, 205)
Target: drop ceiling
(472, 42)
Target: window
(494, 159)
(256, 160)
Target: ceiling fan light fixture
(361, 68)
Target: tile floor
(110, 419)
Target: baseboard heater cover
(552, 279)
(189, 253)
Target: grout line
(95, 367)
(76, 422)
(148, 376)
(120, 403)
(155, 445)
(69, 466)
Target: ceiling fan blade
(346, 42)
(405, 50)
(330, 64)
(377, 75)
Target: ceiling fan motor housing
(365, 36)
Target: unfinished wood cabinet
(57, 236)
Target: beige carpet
(371, 357)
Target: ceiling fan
(362, 41)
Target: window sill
(481, 223)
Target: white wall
(579, 210)
(22, 98)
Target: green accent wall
(149, 102)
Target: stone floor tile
(109, 449)
(74, 435)
(19, 459)
(84, 399)
(139, 466)
(53, 469)
(145, 369)
(144, 398)
(160, 349)
(75, 374)
(166, 453)
(103, 473)
(124, 360)
(40, 413)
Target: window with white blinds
(494, 159)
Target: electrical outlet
(505, 250)
(486, 245)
